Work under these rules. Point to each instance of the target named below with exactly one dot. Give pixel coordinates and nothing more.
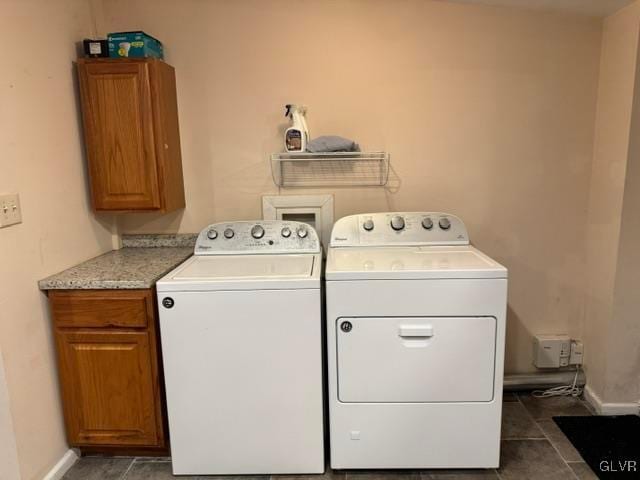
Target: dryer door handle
(421, 331)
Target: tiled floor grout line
(533, 439)
(126, 472)
(546, 437)
(575, 475)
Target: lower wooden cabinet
(109, 373)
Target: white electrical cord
(572, 390)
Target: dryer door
(415, 359)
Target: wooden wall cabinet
(109, 364)
(132, 138)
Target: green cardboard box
(134, 45)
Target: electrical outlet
(551, 351)
(10, 212)
(577, 352)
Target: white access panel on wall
(316, 210)
(414, 358)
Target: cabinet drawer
(96, 308)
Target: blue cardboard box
(134, 45)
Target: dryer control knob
(368, 225)
(445, 223)
(229, 233)
(427, 223)
(257, 231)
(302, 232)
(212, 234)
(285, 232)
(397, 222)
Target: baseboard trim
(603, 408)
(64, 464)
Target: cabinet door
(118, 124)
(107, 380)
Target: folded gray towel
(332, 143)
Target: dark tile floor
(533, 447)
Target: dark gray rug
(609, 445)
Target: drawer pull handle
(420, 331)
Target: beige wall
(623, 370)
(41, 158)
(623, 365)
(604, 336)
(487, 112)
(8, 453)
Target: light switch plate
(10, 212)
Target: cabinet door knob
(166, 146)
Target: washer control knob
(257, 231)
(427, 223)
(445, 223)
(368, 225)
(229, 233)
(285, 232)
(212, 234)
(302, 232)
(397, 223)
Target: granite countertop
(143, 260)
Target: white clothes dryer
(415, 344)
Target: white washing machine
(415, 344)
(241, 334)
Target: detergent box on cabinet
(134, 45)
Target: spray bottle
(297, 135)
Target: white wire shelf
(334, 169)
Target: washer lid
(382, 263)
(243, 272)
